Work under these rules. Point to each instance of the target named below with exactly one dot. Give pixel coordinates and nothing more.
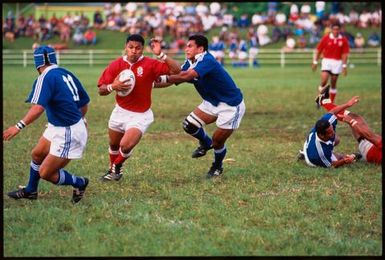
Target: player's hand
(353, 100)
(121, 85)
(344, 71)
(349, 158)
(155, 44)
(313, 67)
(10, 133)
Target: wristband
(343, 65)
(315, 62)
(163, 79)
(162, 56)
(20, 125)
(109, 88)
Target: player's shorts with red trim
(370, 152)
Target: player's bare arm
(315, 60)
(116, 85)
(155, 45)
(33, 113)
(184, 76)
(348, 104)
(344, 58)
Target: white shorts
(67, 141)
(217, 54)
(364, 146)
(334, 66)
(232, 54)
(228, 117)
(121, 120)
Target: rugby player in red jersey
(132, 114)
(334, 48)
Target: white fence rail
(265, 57)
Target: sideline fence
(265, 57)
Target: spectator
(359, 41)
(262, 34)
(293, 14)
(98, 20)
(290, 44)
(78, 37)
(257, 19)
(302, 42)
(319, 9)
(65, 32)
(89, 37)
(280, 19)
(243, 21)
(374, 40)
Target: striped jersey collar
(197, 57)
(321, 141)
(331, 36)
(126, 60)
(53, 66)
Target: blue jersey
(61, 94)
(319, 152)
(218, 46)
(213, 84)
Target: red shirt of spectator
(333, 47)
(146, 71)
(89, 35)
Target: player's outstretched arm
(155, 45)
(346, 159)
(33, 113)
(348, 104)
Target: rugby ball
(123, 76)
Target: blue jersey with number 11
(61, 94)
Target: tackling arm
(33, 113)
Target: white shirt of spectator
(280, 18)
(319, 6)
(215, 7)
(293, 9)
(305, 9)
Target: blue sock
(203, 137)
(219, 155)
(34, 177)
(65, 178)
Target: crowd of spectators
(302, 27)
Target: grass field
(265, 204)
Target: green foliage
(266, 203)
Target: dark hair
(135, 38)
(200, 40)
(336, 24)
(321, 126)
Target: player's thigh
(115, 137)
(41, 150)
(204, 116)
(130, 139)
(51, 165)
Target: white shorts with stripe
(67, 141)
(332, 65)
(228, 117)
(121, 120)
(364, 146)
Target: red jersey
(374, 154)
(332, 47)
(146, 71)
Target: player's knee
(192, 123)
(189, 127)
(37, 155)
(45, 173)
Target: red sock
(113, 156)
(329, 106)
(122, 157)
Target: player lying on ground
(369, 143)
(319, 145)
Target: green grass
(266, 203)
